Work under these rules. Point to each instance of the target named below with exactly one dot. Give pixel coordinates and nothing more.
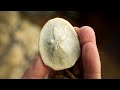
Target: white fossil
(59, 45)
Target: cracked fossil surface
(59, 44)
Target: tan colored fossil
(59, 44)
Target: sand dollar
(59, 44)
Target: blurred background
(19, 34)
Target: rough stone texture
(18, 44)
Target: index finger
(90, 55)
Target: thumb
(37, 70)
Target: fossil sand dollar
(59, 44)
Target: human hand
(90, 58)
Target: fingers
(86, 34)
(90, 55)
(37, 70)
(92, 68)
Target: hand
(90, 54)
(90, 58)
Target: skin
(90, 58)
